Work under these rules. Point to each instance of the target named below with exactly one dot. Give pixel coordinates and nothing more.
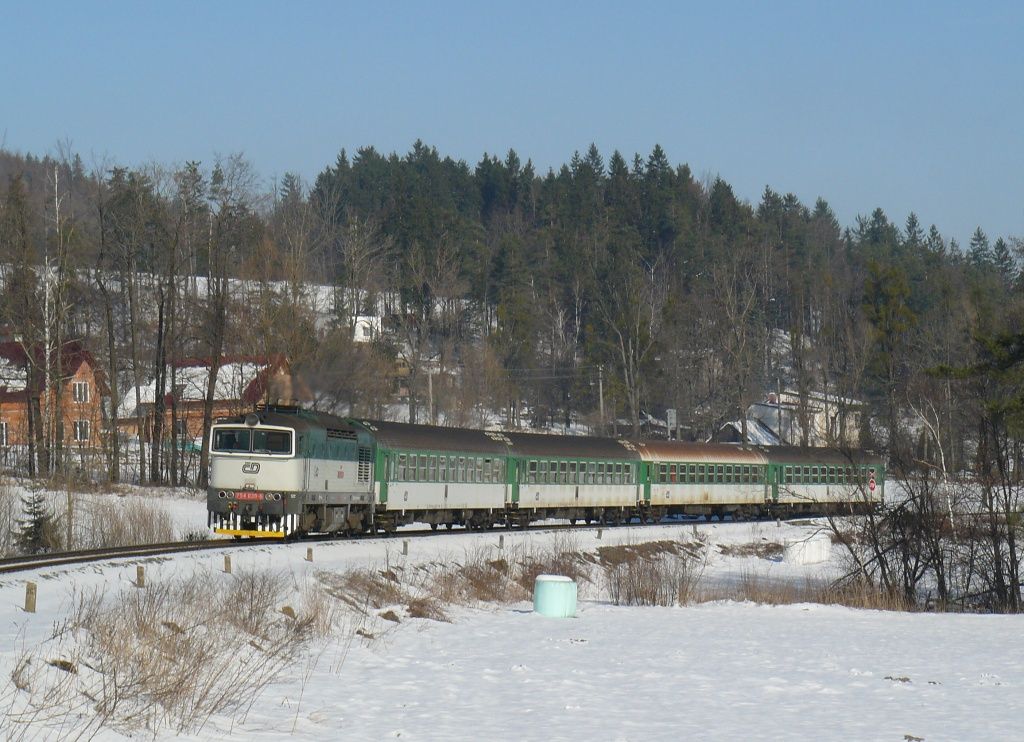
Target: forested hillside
(507, 293)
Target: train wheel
(433, 526)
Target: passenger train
(282, 472)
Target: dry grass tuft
(429, 608)
(759, 589)
(165, 657)
(762, 550)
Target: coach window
(663, 473)
(531, 476)
(728, 474)
(432, 473)
(591, 471)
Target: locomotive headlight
(268, 497)
(222, 494)
(277, 497)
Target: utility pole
(600, 393)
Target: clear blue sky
(908, 106)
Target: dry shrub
(365, 588)
(766, 591)
(165, 657)
(427, 607)
(612, 556)
(125, 521)
(561, 557)
(761, 550)
(650, 573)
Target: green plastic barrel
(554, 596)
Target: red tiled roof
(72, 356)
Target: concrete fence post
(140, 576)
(309, 553)
(30, 597)
(227, 563)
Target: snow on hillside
(718, 670)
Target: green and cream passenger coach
(286, 471)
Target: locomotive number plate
(248, 495)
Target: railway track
(57, 559)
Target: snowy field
(715, 670)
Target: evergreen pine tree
(36, 533)
(935, 242)
(914, 237)
(979, 253)
(1003, 261)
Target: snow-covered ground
(718, 670)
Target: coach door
(771, 483)
(512, 480)
(383, 473)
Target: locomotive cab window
(232, 439)
(272, 441)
